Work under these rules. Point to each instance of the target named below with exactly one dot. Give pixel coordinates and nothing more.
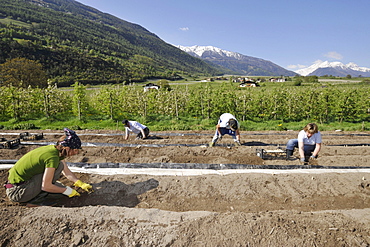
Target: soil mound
(307, 208)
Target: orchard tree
(22, 73)
(79, 105)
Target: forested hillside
(76, 42)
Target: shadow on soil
(110, 193)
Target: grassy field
(163, 123)
(8, 21)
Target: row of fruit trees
(322, 104)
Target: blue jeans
(308, 149)
(224, 131)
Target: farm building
(151, 86)
(277, 79)
(248, 84)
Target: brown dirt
(246, 209)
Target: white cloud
(296, 66)
(334, 55)
(184, 29)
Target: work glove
(70, 192)
(84, 186)
(303, 161)
(313, 157)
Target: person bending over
(35, 174)
(227, 124)
(132, 126)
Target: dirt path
(251, 209)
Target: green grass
(8, 21)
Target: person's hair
(233, 124)
(311, 128)
(125, 121)
(62, 150)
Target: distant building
(248, 84)
(151, 86)
(243, 79)
(277, 79)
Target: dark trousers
(224, 131)
(140, 135)
(308, 149)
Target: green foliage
(365, 81)
(298, 82)
(27, 126)
(164, 85)
(188, 107)
(19, 126)
(106, 101)
(80, 104)
(76, 42)
(311, 79)
(22, 72)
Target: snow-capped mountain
(236, 63)
(198, 51)
(320, 68)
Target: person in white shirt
(308, 143)
(132, 126)
(227, 124)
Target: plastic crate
(30, 137)
(271, 154)
(10, 144)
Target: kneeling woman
(36, 173)
(308, 143)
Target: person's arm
(47, 182)
(218, 129)
(68, 174)
(317, 150)
(127, 133)
(143, 133)
(301, 149)
(237, 132)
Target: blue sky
(290, 33)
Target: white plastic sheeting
(200, 172)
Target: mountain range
(236, 63)
(320, 68)
(74, 42)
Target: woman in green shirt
(37, 171)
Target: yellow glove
(70, 192)
(84, 186)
